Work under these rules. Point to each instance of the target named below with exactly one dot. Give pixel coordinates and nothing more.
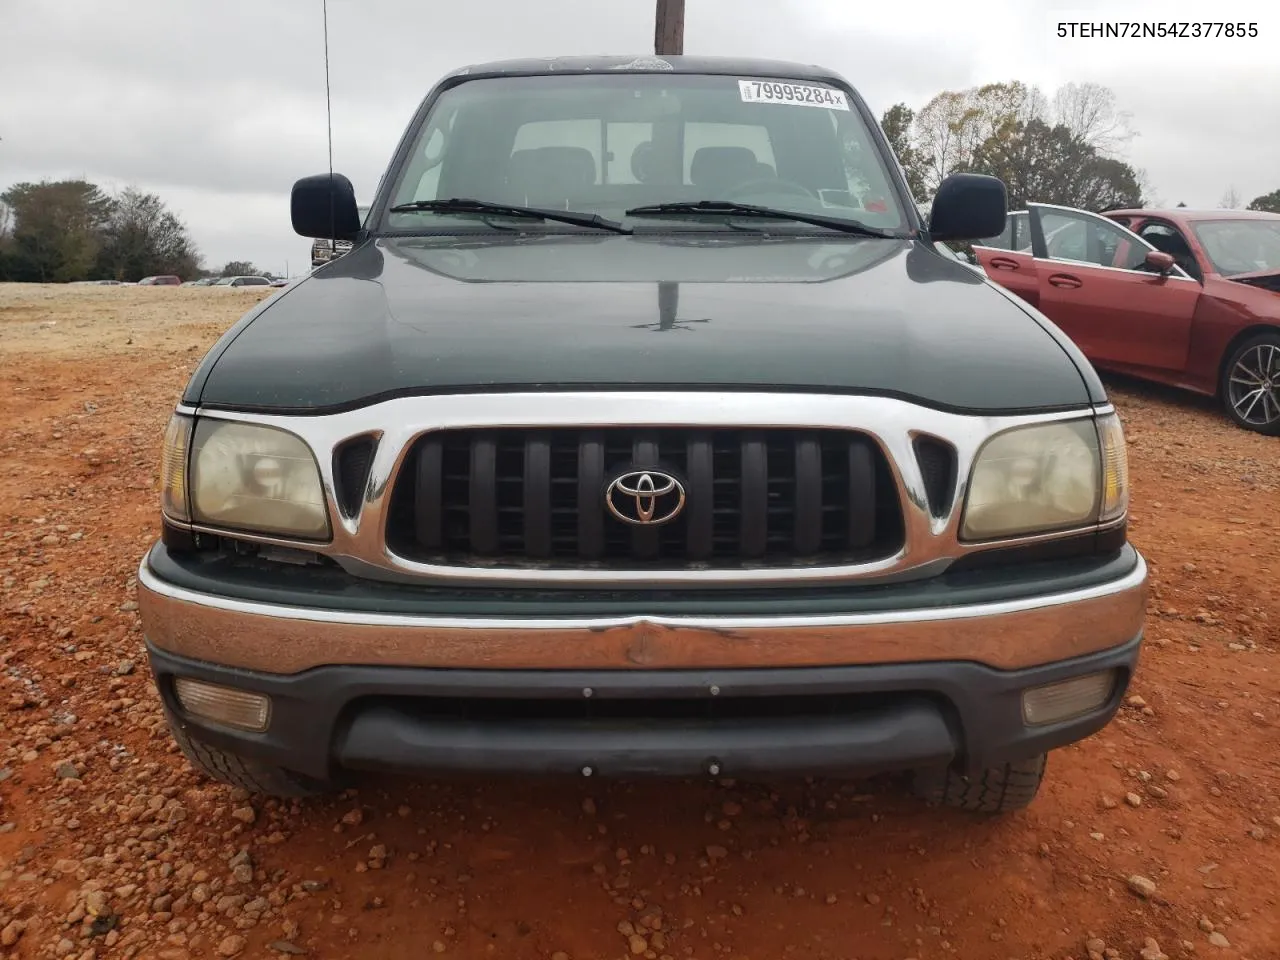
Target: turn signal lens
(1055, 702)
(225, 705)
(1115, 468)
(173, 468)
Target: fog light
(1055, 702)
(224, 705)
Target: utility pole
(668, 33)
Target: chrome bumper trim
(287, 639)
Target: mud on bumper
(858, 692)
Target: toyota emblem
(645, 497)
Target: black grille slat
(429, 494)
(590, 506)
(762, 497)
(808, 497)
(699, 521)
(753, 517)
(537, 497)
(862, 501)
(482, 505)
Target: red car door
(1092, 284)
(1008, 260)
(1011, 269)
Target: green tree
(1050, 164)
(56, 231)
(143, 238)
(896, 123)
(239, 268)
(1267, 203)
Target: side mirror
(968, 206)
(1159, 261)
(324, 207)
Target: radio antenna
(328, 109)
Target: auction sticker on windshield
(801, 94)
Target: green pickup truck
(643, 431)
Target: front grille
(767, 497)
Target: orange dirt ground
(110, 846)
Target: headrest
(570, 167)
(724, 166)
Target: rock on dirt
(245, 814)
(1144, 887)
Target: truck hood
(420, 315)
(1263, 279)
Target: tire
(237, 771)
(1250, 387)
(1002, 789)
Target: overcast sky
(219, 107)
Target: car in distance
(163, 281)
(242, 282)
(660, 453)
(1187, 298)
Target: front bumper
(876, 687)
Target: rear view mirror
(323, 207)
(1159, 261)
(968, 206)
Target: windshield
(603, 144)
(1240, 246)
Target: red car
(1186, 298)
(165, 281)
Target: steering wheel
(773, 185)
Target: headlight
(1038, 478)
(256, 478)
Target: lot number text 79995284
(801, 94)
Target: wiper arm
(730, 208)
(464, 205)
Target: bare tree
(951, 128)
(1089, 111)
(937, 135)
(1231, 199)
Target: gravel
(74, 689)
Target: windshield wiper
(732, 209)
(463, 205)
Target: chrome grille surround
(931, 541)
